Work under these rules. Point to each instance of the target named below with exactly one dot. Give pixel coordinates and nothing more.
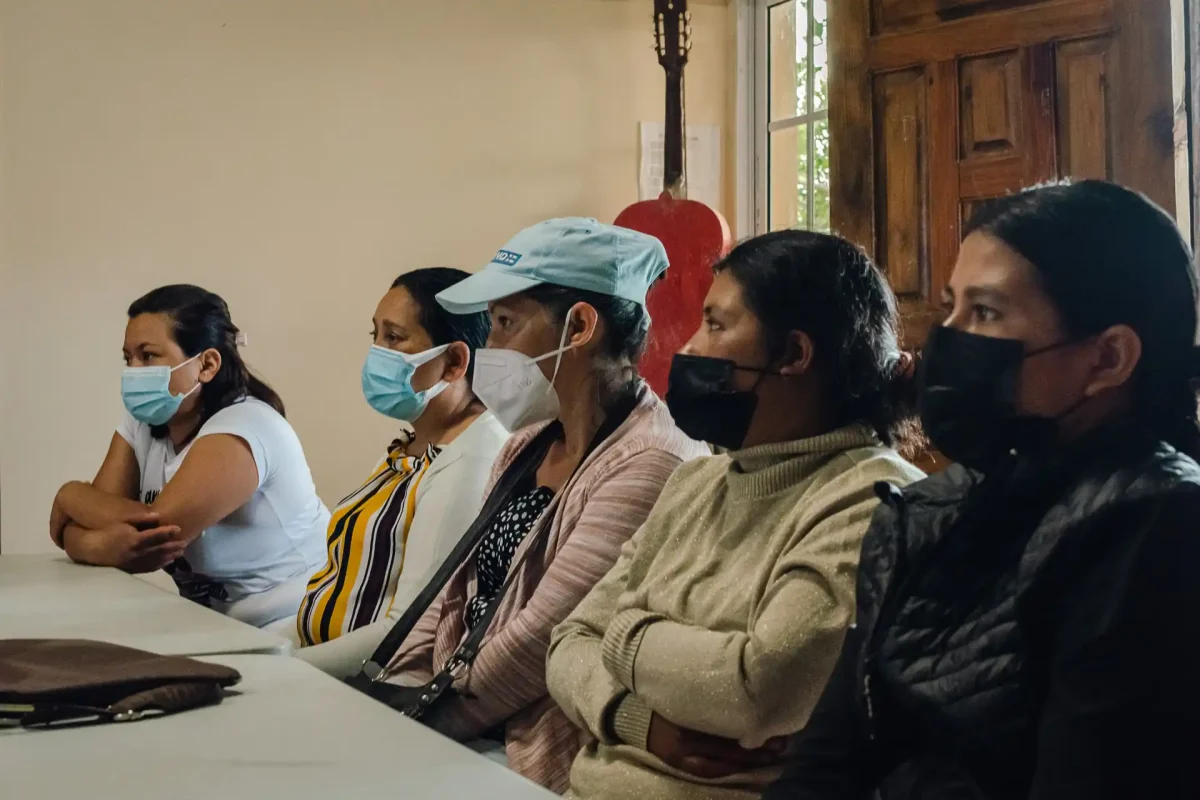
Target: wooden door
(938, 105)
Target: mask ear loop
(562, 348)
(760, 372)
(758, 381)
(441, 385)
(192, 390)
(421, 359)
(1081, 402)
(185, 363)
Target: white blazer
(448, 500)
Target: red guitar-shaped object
(694, 235)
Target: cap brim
(472, 295)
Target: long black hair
(200, 321)
(1106, 256)
(443, 327)
(825, 286)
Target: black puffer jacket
(1035, 635)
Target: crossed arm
(103, 523)
(758, 686)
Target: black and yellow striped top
(365, 544)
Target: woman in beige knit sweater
(705, 648)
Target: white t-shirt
(254, 563)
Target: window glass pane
(787, 24)
(820, 33)
(789, 178)
(820, 176)
(797, 62)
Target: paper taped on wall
(702, 160)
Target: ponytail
(891, 409)
(200, 321)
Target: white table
(48, 597)
(292, 733)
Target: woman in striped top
(387, 538)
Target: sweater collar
(766, 469)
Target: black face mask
(968, 393)
(706, 406)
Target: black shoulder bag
(420, 702)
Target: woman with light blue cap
(592, 449)
(387, 538)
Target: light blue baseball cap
(575, 252)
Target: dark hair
(823, 285)
(200, 321)
(1109, 256)
(628, 327)
(442, 326)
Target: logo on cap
(507, 258)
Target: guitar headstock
(672, 33)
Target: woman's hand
(131, 513)
(707, 756)
(58, 522)
(123, 546)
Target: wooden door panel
(852, 127)
(990, 105)
(1084, 130)
(994, 178)
(944, 146)
(899, 15)
(901, 178)
(945, 134)
(1025, 26)
(1143, 129)
(1027, 153)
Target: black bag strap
(520, 468)
(525, 464)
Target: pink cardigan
(596, 512)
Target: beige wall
(294, 156)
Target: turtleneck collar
(766, 469)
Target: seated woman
(1027, 620)
(386, 539)
(204, 476)
(567, 303)
(708, 644)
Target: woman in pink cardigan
(567, 302)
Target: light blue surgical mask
(387, 382)
(146, 392)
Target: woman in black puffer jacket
(1029, 621)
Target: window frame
(754, 35)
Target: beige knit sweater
(724, 614)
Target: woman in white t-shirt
(204, 477)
